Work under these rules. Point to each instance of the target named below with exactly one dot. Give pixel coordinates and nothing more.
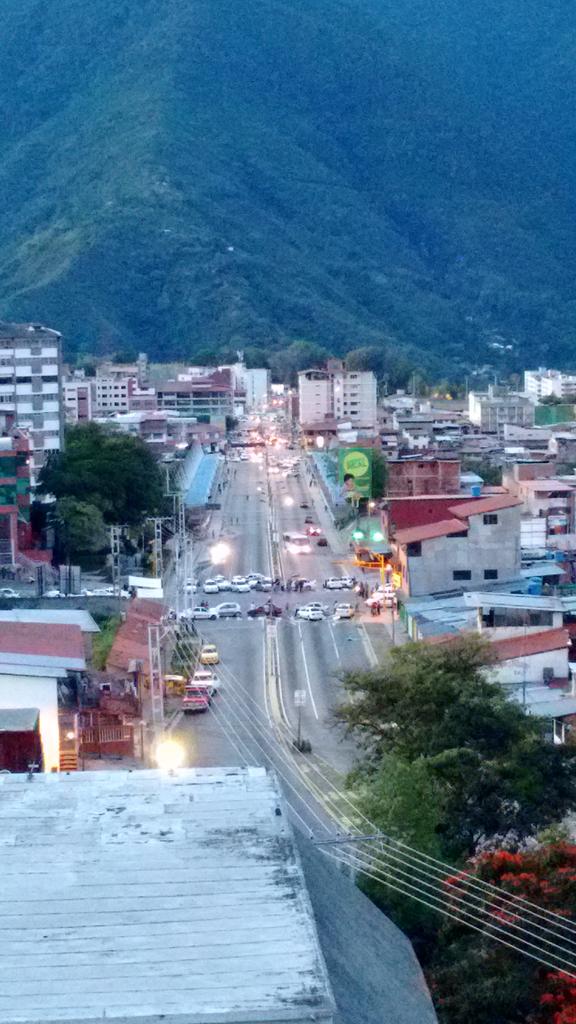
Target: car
(308, 519)
(211, 587)
(304, 504)
(268, 610)
(225, 584)
(312, 614)
(338, 583)
(196, 698)
(301, 583)
(253, 578)
(344, 611)
(51, 593)
(199, 612)
(264, 585)
(227, 610)
(205, 678)
(8, 592)
(191, 586)
(240, 584)
(322, 542)
(209, 655)
(313, 531)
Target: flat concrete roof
(143, 894)
(58, 617)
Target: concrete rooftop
(139, 895)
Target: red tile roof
(429, 530)
(131, 640)
(523, 646)
(480, 506)
(54, 641)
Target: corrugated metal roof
(529, 602)
(143, 894)
(18, 719)
(532, 643)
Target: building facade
(543, 383)
(31, 387)
(416, 477)
(208, 397)
(337, 394)
(78, 400)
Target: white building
(491, 410)
(112, 394)
(338, 394)
(543, 383)
(31, 386)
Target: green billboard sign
(355, 473)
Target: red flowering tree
(476, 980)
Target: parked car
(268, 610)
(227, 610)
(310, 612)
(211, 587)
(335, 583)
(51, 593)
(224, 584)
(264, 585)
(196, 698)
(191, 586)
(344, 611)
(8, 592)
(240, 584)
(198, 612)
(306, 583)
(209, 655)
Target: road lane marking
(331, 628)
(308, 683)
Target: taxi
(209, 655)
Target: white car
(344, 611)
(312, 614)
(224, 584)
(211, 587)
(240, 584)
(8, 592)
(52, 593)
(227, 610)
(199, 612)
(205, 678)
(191, 586)
(339, 583)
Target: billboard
(355, 473)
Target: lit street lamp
(220, 552)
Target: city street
(254, 718)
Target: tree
(113, 472)
(487, 761)
(476, 981)
(80, 526)
(300, 355)
(379, 475)
(367, 357)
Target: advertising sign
(355, 473)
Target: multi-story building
(138, 369)
(112, 394)
(31, 386)
(477, 544)
(337, 394)
(79, 400)
(417, 476)
(208, 397)
(543, 383)
(14, 495)
(492, 409)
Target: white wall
(530, 669)
(36, 692)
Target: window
(414, 550)
(461, 574)
(490, 574)
(490, 519)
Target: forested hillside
(177, 174)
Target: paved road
(243, 724)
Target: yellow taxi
(209, 655)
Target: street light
(220, 552)
(169, 755)
(288, 501)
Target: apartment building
(335, 393)
(491, 410)
(206, 398)
(112, 394)
(78, 400)
(31, 386)
(543, 383)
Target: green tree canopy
(80, 526)
(113, 472)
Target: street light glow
(288, 501)
(220, 552)
(169, 755)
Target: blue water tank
(476, 490)
(559, 556)
(535, 587)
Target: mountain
(178, 174)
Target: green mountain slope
(183, 173)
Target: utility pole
(115, 538)
(156, 682)
(157, 546)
